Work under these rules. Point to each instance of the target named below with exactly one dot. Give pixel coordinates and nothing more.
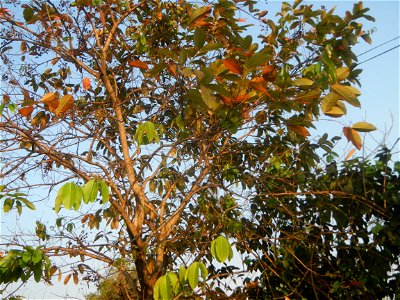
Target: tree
(159, 124)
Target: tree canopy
(164, 132)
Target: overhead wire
(387, 42)
(397, 46)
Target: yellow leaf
(342, 73)
(51, 100)
(363, 127)
(66, 103)
(308, 96)
(347, 93)
(233, 65)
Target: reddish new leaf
(233, 65)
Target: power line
(379, 54)
(378, 46)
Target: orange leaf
(51, 100)
(350, 154)
(26, 111)
(172, 68)
(259, 84)
(242, 98)
(138, 64)
(241, 20)
(67, 278)
(86, 83)
(66, 103)
(353, 137)
(226, 100)
(300, 130)
(269, 73)
(233, 65)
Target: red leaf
(26, 111)
(233, 65)
(138, 64)
(86, 83)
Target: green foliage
(70, 195)
(22, 264)
(339, 240)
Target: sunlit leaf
(363, 127)
(300, 130)
(26, 111)
(66, 103)
(199, 13)
(138, 64)
(86, 83)
(233, 65)
(353, 137)
(350, 154)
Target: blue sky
(379, 99)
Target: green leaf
(363, 127)
(182, 275)
(156, 289)
(221, 249)
(68, 195)
(173, 280)
(303, 82)
(37, 272)
(199, 12)
(26, 256)
(28, 14)
(257, 59)
(104, 191)
(36, 256)
(165, 288)
(209, 99)
(90, 191)
(28, 204)
(8, 205)
(199, 38)
(2, 187)
(192, 274)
